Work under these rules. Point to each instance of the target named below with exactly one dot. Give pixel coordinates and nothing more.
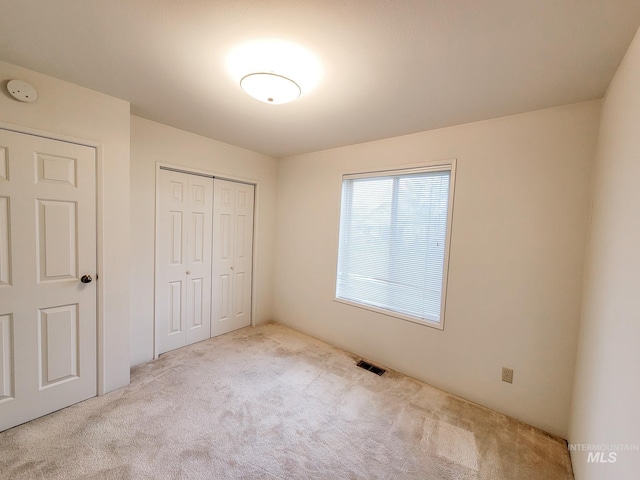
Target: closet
(204, 257)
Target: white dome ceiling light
(274, 71)
(270, 88)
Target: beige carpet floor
(268, 402)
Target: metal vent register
(371, 367)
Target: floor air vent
(371, 367)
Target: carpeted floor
(268, 402)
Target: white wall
(66, 109)
(517, 253)
(153, 142)
(607, 389)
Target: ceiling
(389, 67)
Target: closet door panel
(183, 259)
(198, 273)
(233, 207)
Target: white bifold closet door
(232, 255)
(184, 244)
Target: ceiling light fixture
(274, 71)
(270, 88)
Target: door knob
(86, 279)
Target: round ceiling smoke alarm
(22, 91)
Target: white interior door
(47, 244)
(232, 256)
(183, 266)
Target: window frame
(432, 166)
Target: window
(394, 235)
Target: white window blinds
(393, 233)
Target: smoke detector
(22, 91)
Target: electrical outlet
(507, 375)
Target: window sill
(390, 313)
